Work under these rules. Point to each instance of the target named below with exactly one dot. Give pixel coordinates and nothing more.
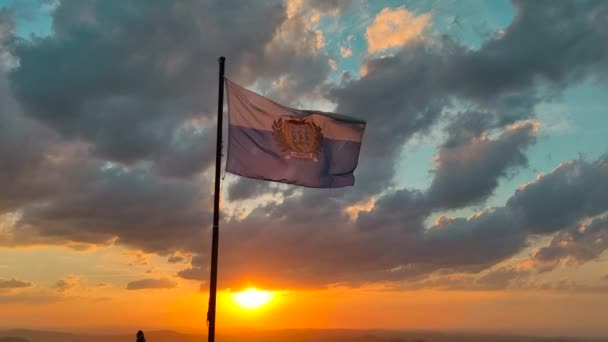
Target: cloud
(313, 8)
(494, 233)
(27, 170)
(498, 278)
(125, 150)
(245, 188)
(394, 28)
(67, 283)
(513, 61)
(150, 283)
(31, 298)
(7, 32)
(403, 208)
(198, 271)
(298, 64)
(13, 284)
(345, 52)
(504, 277)
(557, 201)
(575, 246)
(149, 93)
(102, 204)
(398, 97)
(287, 247)
(121, 148)
(500, 83)
(469, 173)
(50, 5)
(176, 258)
(503, 110)
(306, 255)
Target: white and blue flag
(272, 142)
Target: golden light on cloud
(354, 210)
(395, 27)
(252, 298)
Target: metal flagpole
(216, 207)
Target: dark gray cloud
(570, 286)
(13, 284)
(514, 60)
(276, 255)
(399, 96)
(65, 195)
(129, 77)
(501, 79)
(22, 157)
(391, 241)
(512, 63)
(558, 200)
(476, 242)
(195, 272)
(26, 147)
(500, 278)
(505, 110)
(575, 246)
(327, 204)
(504, 277)
(199, 269)
(176, 258)
(500, 82)
(403, 208)
(468, 173)
(103, 203)
(151, 283)
(245, 188)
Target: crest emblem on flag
(297, 138)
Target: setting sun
(252, 298)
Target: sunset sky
(481, 195)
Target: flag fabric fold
(272, 142)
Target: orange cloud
(152, 283)
(354, 210)
(395, 27)
(67, 283)
(345, 51)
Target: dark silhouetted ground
(280, 336)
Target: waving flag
(272, 142)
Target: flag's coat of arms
(297, 138)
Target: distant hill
(13, 339)
(279, 336)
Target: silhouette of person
(140, 336)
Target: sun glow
(252, 298)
